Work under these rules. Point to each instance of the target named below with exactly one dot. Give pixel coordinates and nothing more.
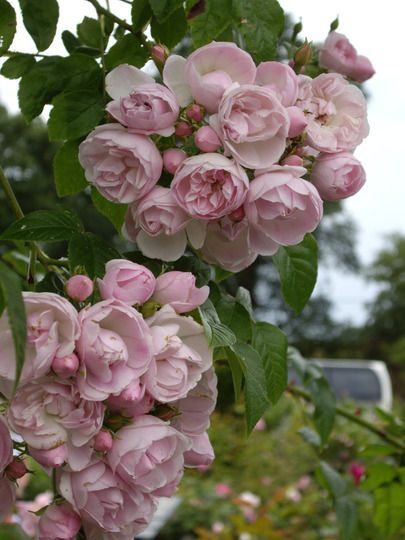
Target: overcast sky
(377, 32)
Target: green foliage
(171, 30)
(114, 212)
(163, 9)
(16, 66)
(127, 50)
(40, 19)
(389, 514)
(90, 33)
(218, 334)
(90, 251)
(8, 25)
(12, 532)
(69, 175)
(141, 12)
(212, 22)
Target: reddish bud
(238, 214)
(294, 160)
(159, 53)
(103, 441)
(183, 129)
(195, 112)
(16, 469)
(303, 56)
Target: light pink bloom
(206, 139)
(201, 452)
(209, 186)
(337, 176)
(174, 78)
(65, 367)
(59, 522)
(114, 349)
(336, 113)
(133, 401)
(178, 289)
(48, 413)
(249, 498)
(103, 500)
(281, 79)
(123, 166)
(26, 517)
(281, 208)
(6, 445)
(127, 281)
(181, 355)
(211, 69)
(79, 287)
(252, 125)
(172, 158)
(7, 496)
(292, 494)
(149, 453)
(363, 69)
(52, 329)
(55, 457)
(298, 121)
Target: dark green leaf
(8, 25)
(74, 114)
(212, 22)
(89, 32)
(114, 212)
(378, 474)
(172, 30)
(298, 268)
(310, 436)
(389, 515)
(141, 13)
(244, 298)
(126, 50)
(325, 407)
(261, 25)
(162, 9)
(218, 334)
(11, 289)
(52, 282)
(236, 371)
(255, 384)
(333, 480)
(12, 532)
(372, 450)
(40, 19)
(70, 41)
(234, 316)
(2, 302)
(193, 264)
(16, 66)
(346, 514)
(81, 71)
(90, 251)
(68, 173)
(43, 225)
(271, 344)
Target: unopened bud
(16, 469)
(79, 287)
(294, 160)
(303, 56)
(103, 441)
(65, 366)
(238, 214)
(183, 129)
(195, 112)
(159, 53)
(206, 139)
(172, 158)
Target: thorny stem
(299, 392)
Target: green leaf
(333, 481)
(261, 25)
(43, 225)
(218, 334)
(12, 532)
(89, 32)
(389, 515)
(212, 22)
(68, 173)
(244, 298)
(8, 25)
(172, 30)
(141, 13)
(346, 514)
(74, 114)
(234, 316)
(40, 19)
(11, 291)
(126, 50)
(162, 9)
(372, 450)
(16, 66)
(325, 407)
(271, 344)
(378, 474)
(256, 401)
(112, 211)
(310, 436)
(297, 267)
(236, 372)
(90, 251)
(82, 72)
(70, 41)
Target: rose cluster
(231, 157)
(116, 397)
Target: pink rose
(172, 158)
(201, 453)
(211, 69)
(145, 108)
(133, 401)
(363, 69)
(25, 512)
(55, 457)
(123, 166)
(6, 445)
(281, 79)
(114, 349)
(7, 496)
(149, 453)
(126, 281)
(209, 186)
(281, 208)
(59, 522)
(337, 176)
(178, 289)
(48, 413)
(79, 287)
(52, 328)
(103, 500)
(253, 125)
(206, 139)
(226, 245)
(336, 113)
(298, 121)
(181, 355)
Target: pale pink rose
(48, 413)
(7, 496)
(172, 158)
(209, 186)
(181, 355)
(362, 70)
(298, 121)
(281, 79)
(252, 125)
(102, 499)
(211, 69)
(337, 54)
(206, 139)
(127, 281)
(59, 522)
(26, 517)
(201, 452)
(294, 160)
(178, 289)
(336, 114)
(149, 453)
(222, 490)
(337, 176)
(6, 445)
(281, 208)
(123, 166)
(174, 78)
(115, 348)
(147, 109)
(55, 457)
(52, 328)
(133, 401)
(226, 244)
(79, 287)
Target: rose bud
(206, 139)
(159, 53)
(16, 469)
(172, 158)
(294, 160)
(178, 289)
(238, 214)
(298, 121)
(79, 287)
(103, 441)
(55, 457)
(66, 366)
(59, 522)
(195, 112)
(183, 129)
(362, 70)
